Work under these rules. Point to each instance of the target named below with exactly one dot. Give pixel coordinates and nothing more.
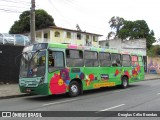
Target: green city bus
(50, 68)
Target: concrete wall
(153, 65)
(133, 46)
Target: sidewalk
(12, 90)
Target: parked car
(21, 39)
(6, 38)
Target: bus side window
(51, 59)
(126, 60)
(116, 60)
(91, 59)
(74, 58)
(105, 59)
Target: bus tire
(124, 83)
(74, 89)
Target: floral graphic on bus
(64, 74)
(81, 75)
(136, 70)
(89, 79)
(122, 72)
(57, 84)
(127, 73)
(116, 72)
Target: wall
(153, 65)
(133, 46)
(10, 63)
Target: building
(68, 36)
(133, 46)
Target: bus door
(105, 67)
(55, 65)
(141, 65)
(115, 71)
(135, 68)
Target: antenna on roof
(78, 28)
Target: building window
(95, 39)
(57, 34)
(68, 34)
(87, 37)
(45, 35)
(88, 41)
(78, 36)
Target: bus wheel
(124, 83)
(74, 89)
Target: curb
(151, 79)
(13, 96)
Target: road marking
(122, 90)
(158, 93)
(110, 108)
(59, 102)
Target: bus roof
(38, 46)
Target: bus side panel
(137, 73)
(91, 77)
(58, 81)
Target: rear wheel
(74, 89)
(124, 83)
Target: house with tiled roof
(56, 34)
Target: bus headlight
(41, 81)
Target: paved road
(141, 96)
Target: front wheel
(74, 89)
(124, 83)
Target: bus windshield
(33, 64)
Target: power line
(10, 11)
(20, 2)
(10, 6)
(75, 7)
(59, 12)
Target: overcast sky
(91, 15)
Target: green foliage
(42, 20)
(115, 23)
(136, 30)
(153, 51)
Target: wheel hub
(74, 88)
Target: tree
(43, 20)
(136, 30)
(115, 23)
(153, 51)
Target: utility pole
(32, 21)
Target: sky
(91, 15)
